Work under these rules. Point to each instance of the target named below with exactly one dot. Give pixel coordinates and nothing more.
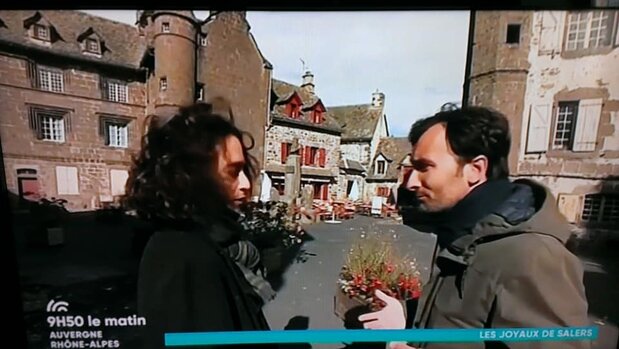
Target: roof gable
(396, 152)
(39, 19)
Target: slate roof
(282, 92)
(396, 151)
(357, 121)
(122, 43)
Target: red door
(28, 188)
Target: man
(502, 258)
(191, 175)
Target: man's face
(230, 164)
(439, 180)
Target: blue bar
(361, 336)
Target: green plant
(271, 224)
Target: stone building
(387, 168)
(363, 127)
(299, 115)
(554, 74)
(76, 90)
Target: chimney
(378, 99)
(308, 82)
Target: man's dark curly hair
(174, 178)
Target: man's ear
(475, 170)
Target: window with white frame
(52, 127)
(117, 91)
(51, 79)
(163, 84)
(117, 134)
(589, 29)
(567, 113)
(601, 208)
(165, 27)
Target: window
(92, 45)
(321, 191)
(163, 84)
(165, 27)
(294, 111)
(117, 91)
(576, 125)
(310, 156)
(203, 40)
(52, 128)
(41, 32)
(380, 167)
(382, 191)
(285, 152)
(49, 124)
(317, 116)
(199, 92)
(601, 208)
(565, 125)
(51, 80)
(513, 34)
(589, 30)
(117, 135)
(115, 131)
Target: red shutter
(324, 192)
(322, 157)
(302, 155)
(284, 152)
(308, 155)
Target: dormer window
(295, 110)
(92, 46)
(317, 116)
(41, 32)
(381, 167)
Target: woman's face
(230, 165)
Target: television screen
(303, 179)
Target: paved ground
(306, 298)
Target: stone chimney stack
(308, 82)
(378, 99)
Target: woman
(191, 175)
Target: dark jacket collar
(530, 208)
(480, 202)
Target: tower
(172, 37)
(498, 67)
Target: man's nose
(413, 181)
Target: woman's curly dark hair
(174, 178)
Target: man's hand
(390, 317)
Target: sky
(417, 59)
